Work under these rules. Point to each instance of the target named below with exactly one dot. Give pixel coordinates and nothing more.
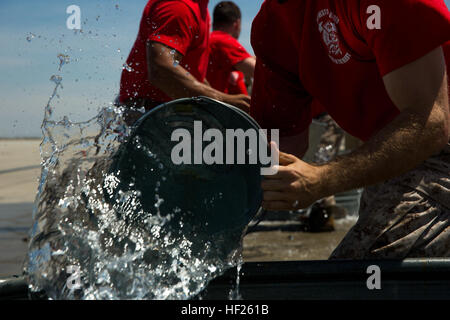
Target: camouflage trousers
(406, 217)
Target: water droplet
(63, 59)
(56, 79)
(30, 37)
(212, 268)
(127, 67)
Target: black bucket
(210, 198)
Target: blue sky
(91, 79)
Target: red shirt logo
(328, 27)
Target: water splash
(127, 67)
(83, 218)
(63, 59)
(235, 293)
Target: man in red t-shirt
(229, 62)
(379, 68)
(170, 56)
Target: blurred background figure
(332, 142)
(231, 67)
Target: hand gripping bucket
(211, 198)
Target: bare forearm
(419, 91)
(167, 74)
(398, 148)
(177, 83)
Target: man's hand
(297, 185)
(241, 101)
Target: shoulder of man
(176, 7)
(226, 40)
(401, 31)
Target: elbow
(442, 108)
(247, 67)
(154, 73)
(442, 135)
(445, 136)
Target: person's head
(227, 18)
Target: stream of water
(91, 240)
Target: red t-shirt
(179, 24)
(321, 54)
(225, 53)
(236, 83)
